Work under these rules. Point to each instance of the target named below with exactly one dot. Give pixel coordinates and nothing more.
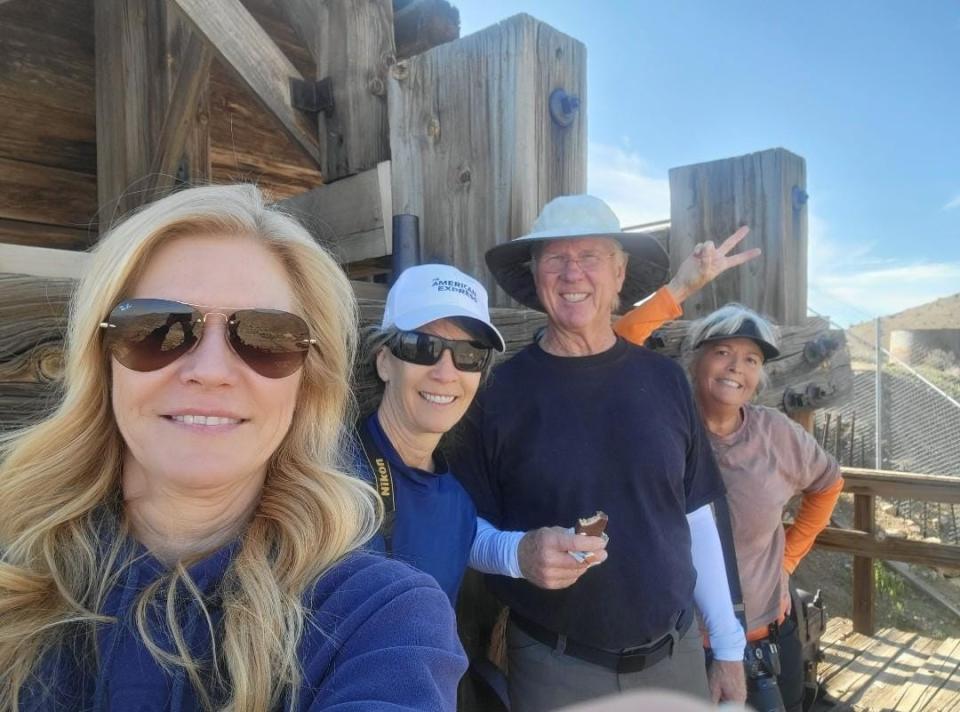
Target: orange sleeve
(638, 323)
(814, 515)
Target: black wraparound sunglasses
(149, 334)
(427, 349)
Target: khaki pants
(540, 679)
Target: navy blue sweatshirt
(435, 520)
(380, 635)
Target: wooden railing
(867, 544)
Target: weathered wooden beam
(352, 45)
(902, 485)
(42, 262)
(46, 55)
(247, 144)
(19, 232)
(859, 543)
(864, 588)
(52, 196)
(765, 190)
(248, 51)
(419, 25)
(353, 216)
(127, 37)
(475, 152)
(185, 117)
(46, 135)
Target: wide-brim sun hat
(572, 217)
(426, 293)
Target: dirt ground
(899, 603)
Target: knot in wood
(376, 86)
(433, 129)
(399, 71)
(464, 176)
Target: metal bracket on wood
(312, 96)
(563, 107)
(813, 396)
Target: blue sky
(867, 92)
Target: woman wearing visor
(181, 532)
(765, 460)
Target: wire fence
(903, 415)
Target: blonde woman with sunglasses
(180, 533)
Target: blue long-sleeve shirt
(380, 635)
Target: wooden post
(864, 618)
(352, 44)
(125, 40)
(475, 152)
(765, 190)
(151, 80)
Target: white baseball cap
(425, 293)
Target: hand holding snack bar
(545, 558)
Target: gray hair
(725, 321)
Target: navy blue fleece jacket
(380, 636)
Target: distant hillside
(940, 314)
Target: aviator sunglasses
(149, 334)
(427, 349)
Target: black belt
(632, 659)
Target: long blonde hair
(60, 479)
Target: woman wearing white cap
(424, 363)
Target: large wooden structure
(349, 112)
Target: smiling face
(580, 297)
(727, 373)
(206, 422)
(426, 400)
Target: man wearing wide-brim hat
(584, 421)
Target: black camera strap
(382, 482)
(721, 513)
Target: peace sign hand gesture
(706, 262)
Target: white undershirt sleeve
(494, 551)
(712, 592)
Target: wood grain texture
(52, 196)
(42, 262)
(129, 62)
(245, 47)
(352, 216)
(182, 115)
(18, 232)
(51, 136)
(867, 545)
(248, 144)
(864, 588)
(709, 201)
(352, 45)
(902, 485)
(474, 151)
(46, 55)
